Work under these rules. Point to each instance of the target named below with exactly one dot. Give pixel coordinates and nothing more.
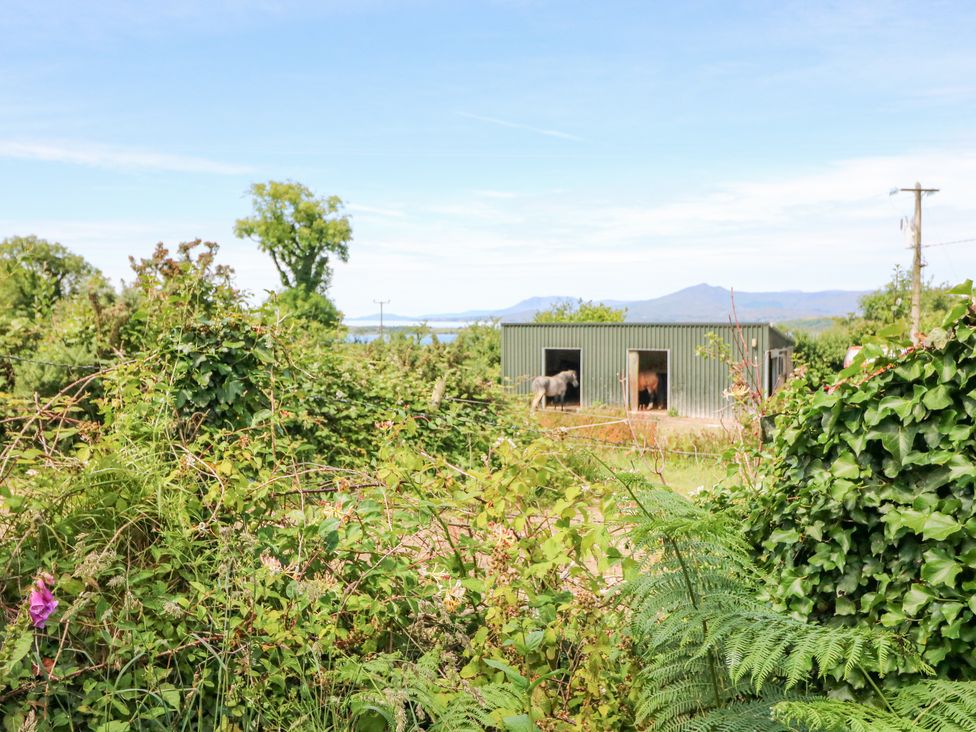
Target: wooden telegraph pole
(917, 261)
(381, 303)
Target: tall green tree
(299, 231)
(568, 311)
(35, 274)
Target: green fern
(415, 696)
(717, 656)
(928, 706)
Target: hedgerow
(866, 515)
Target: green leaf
(171, 695)
(845, 466)
(474, 584)
(21, 647)
(534, 639)
(510, 672)
(115, 726)
(930, 524)
(938, 397)
(965, 288)
(915, 599)
(519, 723)
(260, 416)
(940, 568)
(896, 438)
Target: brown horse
(648, 381)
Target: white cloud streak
(107, 156)
(520, 126)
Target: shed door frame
(579, 376)
(669, 379)
(776, 353)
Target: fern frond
(714, 648)
(830, 715)
(754, 715)
(928, 706)
(938, 704)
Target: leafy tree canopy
(891, 305)
(309, 306)
(36, 273)
(568, 311)
(299, 231)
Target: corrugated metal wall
(696, 384)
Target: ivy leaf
(940, 568)
(915, 599)
(939, 526)
(938, 397)
(930, 524)
(896, 438)
(845, 467)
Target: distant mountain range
(700, 303)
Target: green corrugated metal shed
(694, 384)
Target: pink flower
(42, 602)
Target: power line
(947, 243)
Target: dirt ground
(649, 428)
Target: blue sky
(490, 151)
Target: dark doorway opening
(644, 367)
(565, 359)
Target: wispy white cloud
(108, 156)
(520, 126)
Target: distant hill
(708, 303)
(699, 303)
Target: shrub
(867, 514)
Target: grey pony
(552, 386)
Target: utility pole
(917, 261)
(381, 303)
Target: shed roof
(688, 324)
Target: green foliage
(866, 513)
(48, 299)
(270, 528)
(312, 307)
(299, 231)
(821, 355)
(929, 706)
(715, 653)
(890, 307)
(821, 347)
(481, 344)
(568, 311)
(193, 593)
(36, 273)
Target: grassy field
(684, 454)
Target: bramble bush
(265, 527)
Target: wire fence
(81, 366)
